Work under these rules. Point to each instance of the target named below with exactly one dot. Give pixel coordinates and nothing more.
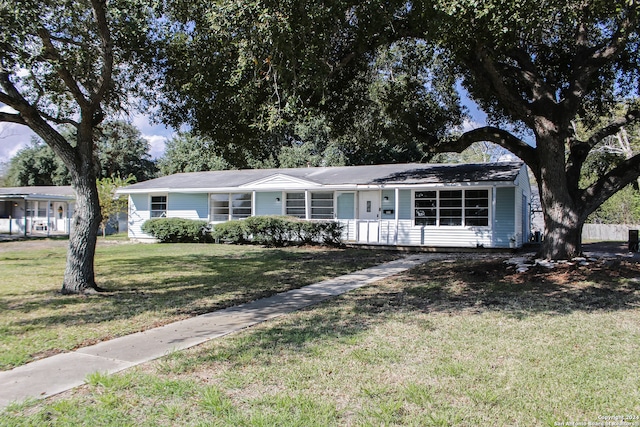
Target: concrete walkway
(62, 372)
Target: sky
(13, 137)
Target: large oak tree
(532, 66)
(69, 63)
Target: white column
(48, 224)
(397, 211)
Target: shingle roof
(411, 173)
(37, 191)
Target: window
(452, 208)
(158, 206)
(295, 205)
(476, 208)
(42, 209)
(240, 205)
(219, 206)
(226, 206)
(426, 207)
(31, 209)
(322, 205)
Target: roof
(41, 192)
(375, 175)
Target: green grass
(149, 285)
(463, 343)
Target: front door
(368, 216)
(60, 215)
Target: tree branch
(580, 150)
(36, 120)
(530, 76)
(12, 118)
(15, 100)
(498, 136)
(489, 68)
(12, 97)
(68, 40)
(613, 127)
(615, 180)
(592, 59)
(106, 47)
(52, 54)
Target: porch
(36, 211)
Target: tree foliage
(112, 204)
(36, 164)
(122, 151)
(189, 153)
(267, 70)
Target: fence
(607, 232)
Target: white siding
(408, 234)
(138, 214)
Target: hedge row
(278, 231)
(266, 230)
(178, 230)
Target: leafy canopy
(266, 69)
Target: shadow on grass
(490, 285)
(465, 287)
(180, 286)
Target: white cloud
(13, 137)
(156, 134)
(468, 125)
(7, 109)
(156, 144)
(508, 157)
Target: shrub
(178, 230)
(332, 233)
(278, 231)
(308, 232)
(269, 230)
(231, 232)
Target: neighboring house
(36, 210)
(432, 205)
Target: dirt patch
(492, 284)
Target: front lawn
(453, 342)
(149, 285)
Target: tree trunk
(563, 221)
(563, 233)
(79, 274)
